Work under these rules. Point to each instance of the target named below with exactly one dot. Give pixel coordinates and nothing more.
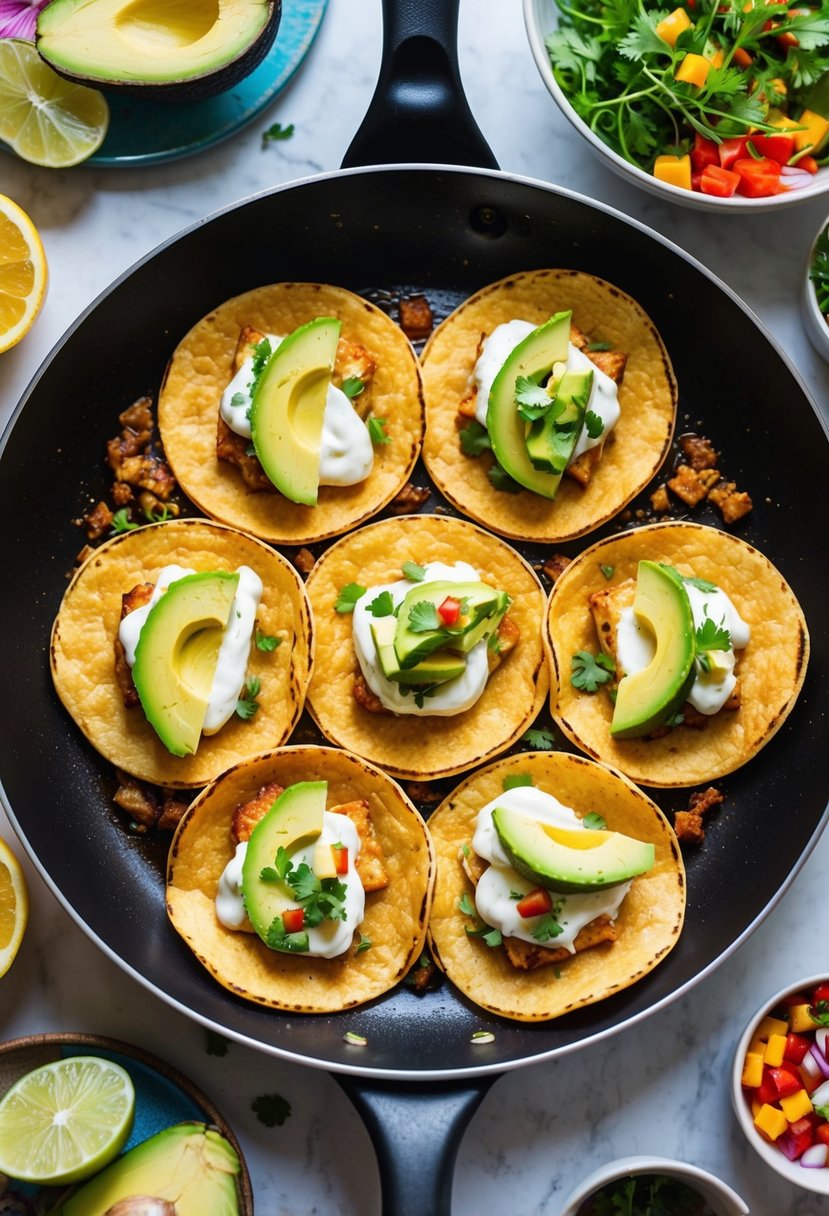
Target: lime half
(43, 118)
(66, 1120)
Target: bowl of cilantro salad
(646, 1186)
(815, 300)
(721, 105)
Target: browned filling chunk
(140, 595)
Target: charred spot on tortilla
(219, 404)
(395, 856)
(94, 681)
(609, 462)
(484, 700)
(704, 738)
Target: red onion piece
(18, 18)
(822, 1062)
(810, 1065)
(787, 1145)
(792, 178)
(814, 1157)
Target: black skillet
(385, 232)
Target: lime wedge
(65, 1121)
(43, 118)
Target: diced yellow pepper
(796, 1106)
(815, 133)
(780, 122)
(773, 1055)
(752, 1070)
(770, 1121)
(716, 61)
(693, 70)
(675, 170)
(800, 1020)
(671, 27)
(770, 1026)
(756, 1107)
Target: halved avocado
(569, 860)
(189, 1164)
(534, 357)
(648, 698)
(166, 50)
(177, 653)
(288, 405)
(482, 603)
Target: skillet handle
(416, 1130)
(419, 111)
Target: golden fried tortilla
(648, 924)
(424, 748)
(770, 669)
(83, 662)
(636, 446)
(201, 368)
(396, 916)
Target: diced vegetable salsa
(786, 1077)
(723, 97)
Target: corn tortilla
(396, 916)
(649, 921)
(635, 448)
(200, 369)
(412, 746)
(86, 627)
(770, 669)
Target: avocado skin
(552, 439)
(189, 1163)
(558, 867)
(658, 587)
(486, 604)
(210, 83)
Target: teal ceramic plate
(163, 1096)
(150, 132)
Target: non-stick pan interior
(385, 232)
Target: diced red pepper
(341, 858)
(795, 998)
(293, 919)
(450, 610)
(719, 182)
(787, 39)
(732, 149)
(535, 903)
(704, 152)
(742, 58)
(821, 993)
(766, 1091)
(796, 1047)
(784, 1083)
(822, 1133)
(758, 178)
(808, 163)
(776, 147)
(810, 1083)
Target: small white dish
(816, 325)
(816, 1180)
(719, 1197)
(540, 19)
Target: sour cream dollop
(454, 696)
(331, 937)
(636, 645)
(496, 887)
(604, 395)
(234, 650)
(346, 451)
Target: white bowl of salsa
(671, 1180)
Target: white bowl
(720, 1198)
(816, 1180)
(817, 327)
(540, 19)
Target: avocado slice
(484, 604)
(295, 818)
(569, 859)
(648, 698)
(157, 49)
(189, 1164)
(288, 405)
(533, 357)
(551, 439)
(177, 653)
(437, 668)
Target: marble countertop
(660, 1087)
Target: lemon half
(14, 905)
(23, 274)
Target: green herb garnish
(819, 1013)
(353, 386)
(271, 1109)
(539, 740)
(646, 1195)
(217, 1044)
(608, 571)
(377, 431)
(701, 584)
(267, 642)
(248, 705)
(548, 927)
(466, 906)
(819, 272)
(594, 821)
(348, 597)
(516, 781)
(532, 400)
(491, 937)
(382, 604)
(713, 637)
(276, 132)
(474, 439)
(501, 480)
(364, 944)
(596, 346)
(591, 671)
(413, 572)
(423, 617)
(593, 424)
(121, 521)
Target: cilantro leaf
(591, 671)
(608, 571)
(533, 401)
(413, 572)
(516, 780)
(121, 521)
(217, 1044)
(713, 637)
(423, 617)
(262, 351)
(248, 705)
(365, 943)
(492, 937)
(594, 821)
(701, 584)
(539, 740)
(501, 480)
(474, 439)
(597, 346)
(267, 642)
(348, 597)
(547, 928)
(271, 1109)
(353, 386)
(382, 604)
(276, 132)
(593, 424)
(466, 906)
(820, 1013)
(377, 431)
(238, 399)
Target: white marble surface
(658, 1088)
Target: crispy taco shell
(770, 669)
(648, 924)
(635, 448)
(200, 369)
(412, 746)
(84, 632)
(396, 917)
